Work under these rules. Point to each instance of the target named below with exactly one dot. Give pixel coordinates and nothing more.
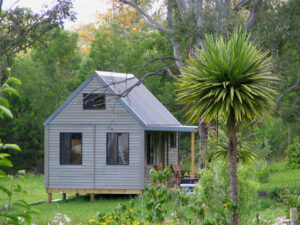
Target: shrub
(293, 154)
(214, 191)
(263, 174)
(278, 193)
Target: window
(150, 148)
(70, 148)
(173, 139)
(93, 101)
(117, 146)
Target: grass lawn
(80, 210)
(33, 185)
(280, 174)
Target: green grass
(281, 175)
(33, 185)
(80, 210)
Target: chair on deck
(179, 173)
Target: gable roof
(139, 102)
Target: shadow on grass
(87, 197)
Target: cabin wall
(74, 113)
(70, 176)
(119, 176)
(94, 125)
(46, 144)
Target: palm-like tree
(230, 78)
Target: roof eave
(172, 128)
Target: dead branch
(140, 81)
(154, 60)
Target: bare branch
(148, 19)
(154, 60)
(141, 80)
(129, 89)
(172, 75)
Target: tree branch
(154, 60)
(140, 81)
(148, 19)
(253, 15)
(176, 52)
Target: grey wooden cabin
(98, 142)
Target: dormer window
(93, 101)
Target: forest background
(120, 41)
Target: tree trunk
(232, 160)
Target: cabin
(105, 139)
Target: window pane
(117, 149)
(76, 149)
(111, 149)
(71, 148)
(93, 101)
(150, 148)
(65, 156)
(123, 149)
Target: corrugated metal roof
(140, 99)
(139, 102)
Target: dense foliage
(293, 153)
(52, 68)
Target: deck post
(192, 154)
(49, 198)
(92, 197)
(63, 196)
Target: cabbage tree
(229, 78)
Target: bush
(263, 175)
(214, 191)
(293, 154)
(278, 193)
